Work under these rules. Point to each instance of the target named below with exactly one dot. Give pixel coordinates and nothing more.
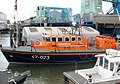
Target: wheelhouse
(62, 42)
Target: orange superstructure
(62, 42)
(73, 42)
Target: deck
(75, 77)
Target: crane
(115, 8)
(93, 15)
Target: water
(44, 73)
(48, 73)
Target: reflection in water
(44, 73)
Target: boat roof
(113, 59)
(111, 55)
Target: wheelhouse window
(53, 39)
(106, 64)
(59, 39)
(67, 39)
(46, 39)
(111, 66)
(73, 39)
(118, 70)
(79, 39)
(101, 61)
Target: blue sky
(26, 8)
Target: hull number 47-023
(41, 57)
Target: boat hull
(73, 78)
(8, 77)
(49, 57)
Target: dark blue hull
(49, 57)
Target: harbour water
(43, 73)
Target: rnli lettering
(41, 57)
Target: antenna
(15, 22)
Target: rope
(83, 58)
(90, 57)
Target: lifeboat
(61, 42)
(60, 48)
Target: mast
(15, 22)
(13, 32)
